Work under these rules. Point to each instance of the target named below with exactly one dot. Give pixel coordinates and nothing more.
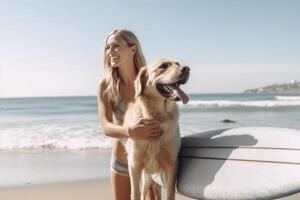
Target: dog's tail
(151, 189)
(156, 190)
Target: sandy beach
(60, 176)
(83, 190)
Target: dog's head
(163, 78)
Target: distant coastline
(291, 87)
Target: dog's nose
(185, 69)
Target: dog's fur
(147, 157)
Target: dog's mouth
(173, 91)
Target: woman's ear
(140, 81)
(134, 49)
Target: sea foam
(225, 103)
(66, 137)
(288, 98)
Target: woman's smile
(114, 57)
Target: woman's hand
(145, 129)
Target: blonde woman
(123, 59)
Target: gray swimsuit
(117, 166)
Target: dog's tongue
(179, 93)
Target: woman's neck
(128, 73)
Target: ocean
(59, 139)
(71, 123)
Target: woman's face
(118, 52)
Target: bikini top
(119, 110)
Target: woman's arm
(105, 114)
(142, 129)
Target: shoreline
(61, 175)
(76, 190)
(46, 167)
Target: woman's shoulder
(102, 85)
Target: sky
(54, 47)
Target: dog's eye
(164, 66)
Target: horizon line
(58, 96)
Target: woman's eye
(112, 46)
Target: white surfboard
(240, 163)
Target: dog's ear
(140, 81)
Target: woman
(123, 59)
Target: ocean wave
(224, 103)
(288, 98)
(56, 136)
(62, 136)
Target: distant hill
(290, 87)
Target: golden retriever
(157, 90)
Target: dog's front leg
(170, 175)
(135, 181)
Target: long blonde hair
(113, 78)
